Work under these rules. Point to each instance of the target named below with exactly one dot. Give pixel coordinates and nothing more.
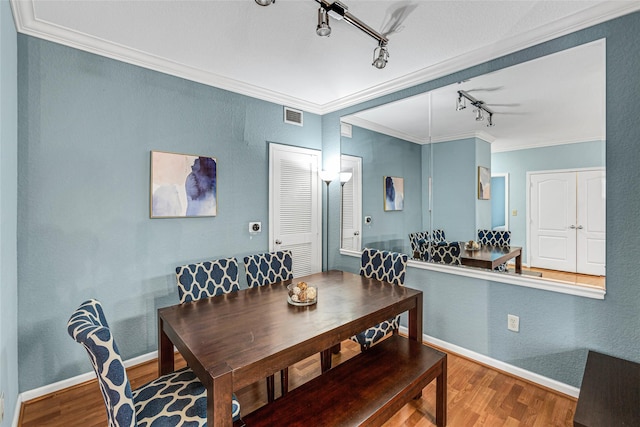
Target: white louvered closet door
(351, 201)
(295, 206)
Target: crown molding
(27, 23)
(375, 127)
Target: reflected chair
(174, 399)
(437, 237)
(265, 269)
(385, 266)
(495, 238)
(420, 245)
(445, 253)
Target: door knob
(356, 233)
(579, 227)
(278, 242)
(573, 227)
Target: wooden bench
(365, 390)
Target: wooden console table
(610, 393)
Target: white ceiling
(273, 53)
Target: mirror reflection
(503, 172)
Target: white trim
(506, 196)
(25, 396)
(510, 279)
(16, 413)
(27, 23)
(501, 366)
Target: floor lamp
(327, 177)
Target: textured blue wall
(556, 330)
(8, 211)
(518, 163)
(384, 155)
(87, 125)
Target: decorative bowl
(472, 245)
(302, 294)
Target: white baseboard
(16, 413)
(502, 366)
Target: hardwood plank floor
(477, 396)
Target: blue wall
(8, 209)
(518, 163)
(87, 125)
(387, 156)
(556, 330)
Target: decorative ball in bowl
(472, 245)
(301, 294)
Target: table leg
(219, 396)
(165, 351)
(441, 395)
(415, 320)
(519, 263)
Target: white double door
(567, 221)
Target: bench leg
(325, 360)
(284, 381)
(271, 388)
(441, 395)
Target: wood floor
(477, 396)
(563, 276)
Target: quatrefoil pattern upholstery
(447, 253)
(438, 236)
(268, 268)
(495, 238)
(207, 279)
(174, 399)
(420, 245)
(389, 267)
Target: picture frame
(183, 185)
(484, 183)
(393, 195)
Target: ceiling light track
(339, 12)
(481, 107)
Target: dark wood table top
(234, 340)
(488, 256)
(610, 392)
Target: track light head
(265, 2)
(461, 104)
(323, 29)
(490, 121)
(479, 115)
(380, 56)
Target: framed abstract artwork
(183, 185)
(484, 183)
(393, 193)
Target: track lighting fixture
(481, 107)
(340, 12)
(380, 56)
(323, 29)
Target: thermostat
(255, 227)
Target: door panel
(591, 222)
(351, 200)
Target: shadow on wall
(566, 366)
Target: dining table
(236, 339)
(488, 256)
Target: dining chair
(265, 269)
(420, 245)
(389, 267)
(445, 253)
(495, 238)
(174, 399)
(207, 279)
(438, 236)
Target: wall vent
(345, 129)
(292, 117)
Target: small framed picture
(484, 183)
(183, 185)
(393, 193)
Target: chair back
(446, 253)
(268, 268)
(494, 237)
(419, 243)
(207, 279)
(437, 236)
(88, 326)
(383, 265)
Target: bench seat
(365, 390)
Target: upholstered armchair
(389, 267)
(174, 399)
(495, 238)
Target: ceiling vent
(292, 117)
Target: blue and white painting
(183, 185)
(393, 193)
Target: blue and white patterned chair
(207, 279)
(437, 236)
(389, 267)
(495, 238)
(445, 253)
(268, 268)
(174, 399)
(265, 269)
(420, 245)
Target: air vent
(345, 129)
(292, 117)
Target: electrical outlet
(255, 227)
(513, 323)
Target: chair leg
(270, 388)
(284, 381)
(325, 360)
